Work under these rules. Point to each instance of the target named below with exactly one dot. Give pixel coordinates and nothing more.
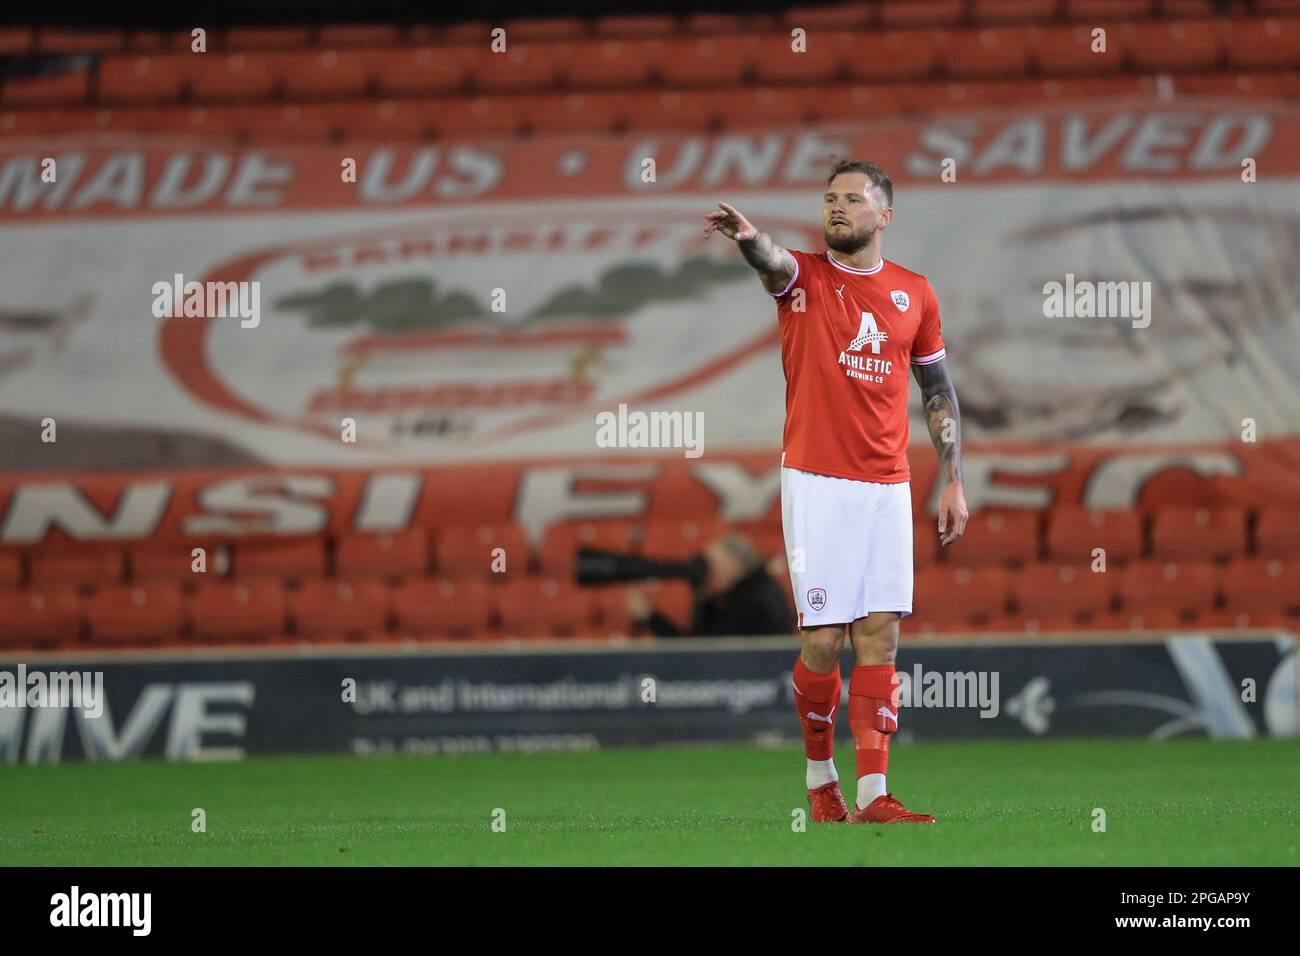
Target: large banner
(484, 302)
(667, 693)
(196, 506)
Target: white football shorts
(849, 545)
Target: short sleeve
(799, 269)
(927, 346)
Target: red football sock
(873, 715)
(816, 698)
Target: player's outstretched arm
(774, 265)
(943, 417)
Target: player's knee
(822, 647)
(875, 640)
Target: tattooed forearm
(775, 264)
(942, 416)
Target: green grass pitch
(1024, 803)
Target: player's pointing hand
(730, 223)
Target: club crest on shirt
(900, 299)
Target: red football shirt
(848, 340)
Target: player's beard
(850, 244)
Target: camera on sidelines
(607, 567)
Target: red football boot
(828, 804)
(888, 810)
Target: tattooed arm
(943, 418)
(774, 265)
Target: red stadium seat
(423, 70)
(1198, 534)
(829, 104)
(45, 89)
(468, 550)
(11, 569)
(708, 61)
(932, 14)
(382, 555)
(1255, 85)
(768, 542)
(442, 609)
(766, 106)
(842, 16)
(359, 34)
(288, 122)
(1241, 620)
(135, 78)
(324, 73)
(1068, 50)
(268, 38)
(1144, 619)
(1270, 44)
(543, 607)
(1278, 7)
(635, 25)
(1277, 532)
(560, 542)
(1066, 590)
(819, 61)
(962, 595)
(544, 28)
(988, 12)
(479, 116)
(999, 51)
(711, 23)
(1103, 12)
(925, 541)
(200, 121)
(83, 568)
(521, 68)
(135, 614)
(1009, 537)
(54, 40)
(1258, 585)
(386, 119)
(294, 560)
(576, 112)
(1154, 586)
(683, 110)
(1074, 533)
(16, 41)
(339, 610)
(175, 563)
(1173, 47)
(39, 616)
(897, 55)
(230, 77)
(608, 63)
(677, 539)
(223, 611)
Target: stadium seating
(135, 614)
(382, 555)
(339, 610)
(442, 609)
(468, 550)
(237, 611)
(39, 617)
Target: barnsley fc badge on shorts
(817, 599)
